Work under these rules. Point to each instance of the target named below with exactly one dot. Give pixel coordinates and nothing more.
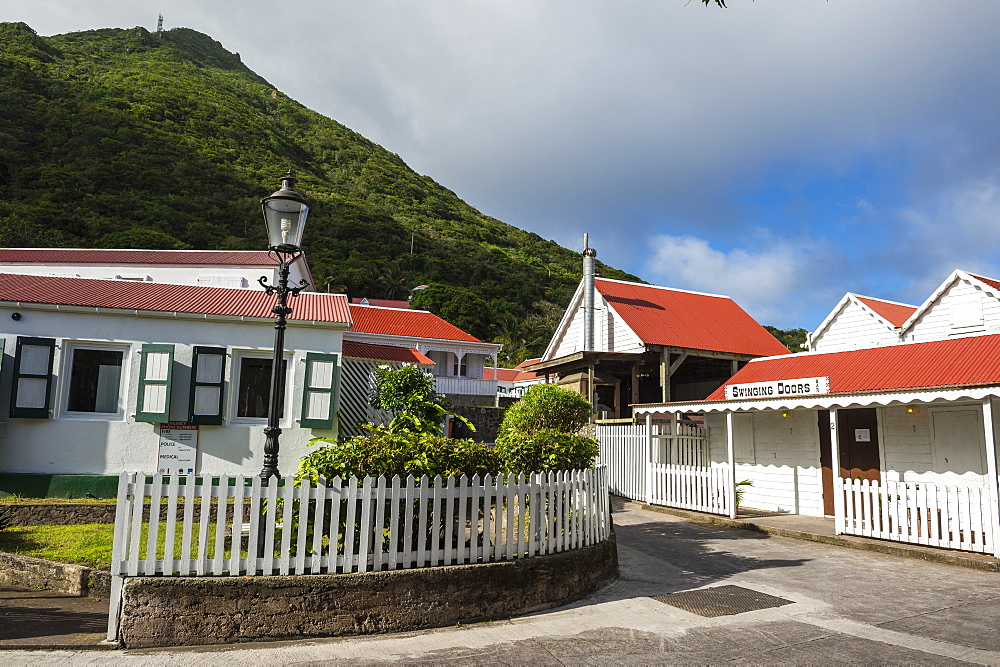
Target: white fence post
(991, 475)
(650, 458)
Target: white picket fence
(232, 526)
(935, 515)
(624, 449)
(697, 488)
(665, 465)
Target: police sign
(779, 388)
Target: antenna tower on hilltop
(159, 26)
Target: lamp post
(285, 213)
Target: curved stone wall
(179, 611)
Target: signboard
(862, 435)
(178, 448)
(779, 388)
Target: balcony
(466, 386)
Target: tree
(793, 339)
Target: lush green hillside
(125, 138)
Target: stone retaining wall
(58, 514)
(50, 576)
(184, 611)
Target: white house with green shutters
(104, 376)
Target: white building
(860, 321)
(94, 369)
(215, 268)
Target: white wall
(611, 334)
(783, 462)
(852, 328)
(213, 276)
(97, 445)
(942, 444)
(937, 322)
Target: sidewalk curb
(968, 560)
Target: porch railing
(937, 515)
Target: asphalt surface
(845, 606)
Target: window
(460, 367)
(967, 313)
(254, 386)
(94, 384)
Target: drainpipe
(588, 293)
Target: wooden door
(826, 460)
(857, 433)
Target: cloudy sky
(782, 152)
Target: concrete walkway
(838, 606)
(816, 529)
(31, 618)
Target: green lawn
(87, 544)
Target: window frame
(69, 348)
(235, 377)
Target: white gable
(850, 326)
(961, 305)
(611, 334)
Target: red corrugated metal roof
(662, 316)
(507, 374)
(943, 363)
(989, 281)
(528, 362)
(387, 303)
(162, 297)
(384, 353)
(143, 257)
(894, 313)
(399, 322)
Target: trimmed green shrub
(545, 406)
(407, 453)
(545, 450)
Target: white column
(991, 472)
(650, 457)
(838, 483)
(731, 454)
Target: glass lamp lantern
(285, 213)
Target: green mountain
(126, 138)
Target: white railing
(624, 449)
(937, 515)
(665, 466)
(467, 386)
(362, 525)
(232, 526)
(690, 487)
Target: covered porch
(915, 466)
(614, 381)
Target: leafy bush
(547, 449)
(386, 453)
(545, 406)
(410, 393)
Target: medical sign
(178, 448)
(779, 388)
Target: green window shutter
(208, 376)
(31, 393)
(152, 404)
(319, 392)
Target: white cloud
(768, 283)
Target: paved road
(846, 606)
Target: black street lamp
(285, 213)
